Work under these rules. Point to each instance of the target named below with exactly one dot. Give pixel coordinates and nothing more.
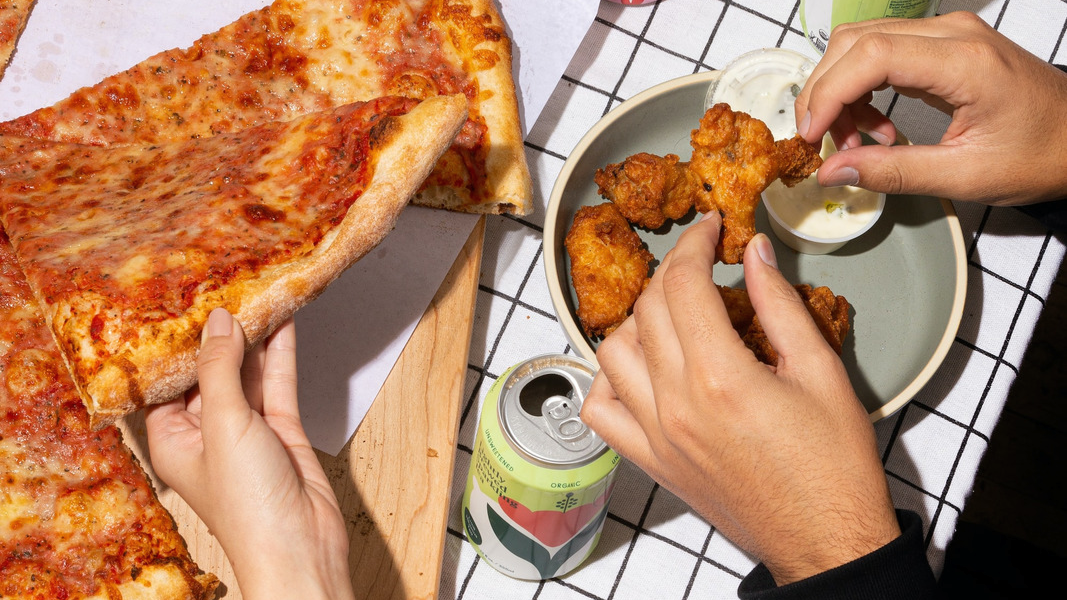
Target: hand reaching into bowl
(782, 460)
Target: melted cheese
(288, 59)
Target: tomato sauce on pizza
(115, 240)
(128, 248)
(220, 218)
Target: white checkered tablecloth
(652, 545)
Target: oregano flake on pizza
(128, 248)
(299, 56)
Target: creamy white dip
(823, 213)
(818, 212)
(764, 83)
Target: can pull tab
(553, 402)
(562, 419)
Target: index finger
(279, 372)
(871, 56)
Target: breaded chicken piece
(609, 267)
(735, 155)
(738, 307)
(649, 189)
(829, 311)
(736, 158)
(797, 159)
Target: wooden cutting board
(393, 477)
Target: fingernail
(765, 250)
(881, 138)
(219, 323)
(842, 176)
(707, 215)
(804, 125)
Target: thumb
(934, 170)
(223, 405)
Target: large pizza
(128, 248)
(13, 16)
(246, 171)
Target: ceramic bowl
(906, 278)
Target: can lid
(764, 83)
(540, 410)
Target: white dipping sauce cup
(763, 83)
(815, 220)
(810, 244)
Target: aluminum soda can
(819, 17)
(540, 479)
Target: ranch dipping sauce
(813, 219)
(819, 212)
(765, 84)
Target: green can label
(528, 519)
(819, 17)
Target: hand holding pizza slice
(128, 248)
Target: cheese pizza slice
(298, 56)
(128, 248)
(78, 516)
(13, 17)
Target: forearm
(294, 582)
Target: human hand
(1006, 144)
(236, 451)
(782, 460)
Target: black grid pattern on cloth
(652, 545)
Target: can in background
(539, 480)
(819, 17)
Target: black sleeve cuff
(1051, 214)
(896, 570)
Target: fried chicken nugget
(797, 159)
(609, 267)
(736, 158)
(829, 311)
(735, 154)
(649, 189)
(738, 307)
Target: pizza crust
(508, 185)
(161, 582)
(165, 365)
(13, 17)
